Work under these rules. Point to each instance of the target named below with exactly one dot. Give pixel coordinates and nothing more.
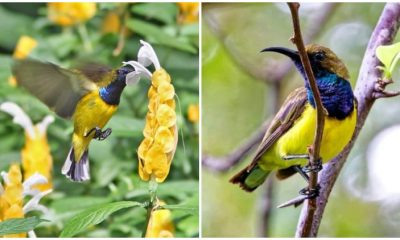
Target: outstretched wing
(97, 73)
(290, 111)
(60, 89)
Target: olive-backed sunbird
(284, 146)
(89, 95)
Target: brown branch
(384, 33)
(315, 148)
(222, 164)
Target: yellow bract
(12, 197)
(160, 224)
(70, 13)
(36, 158)
(158, 147)
(188, 12)
(193, 113)
(24, 47)
(111, 23)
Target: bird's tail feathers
(250, 178)
(76, 171)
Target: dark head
(123, 71)
(321, 58)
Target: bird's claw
(99, 134)
(316, 167)
(310, 193)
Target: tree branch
(315, 148)
(384, 33)
(222, 164)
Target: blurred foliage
(114, 161)
(235, 104)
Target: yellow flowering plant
(36, 157)
(156, 151)
(160, 223)
(70, 13)
(188, 12)
(13, 191)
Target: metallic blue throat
(336, 94)
(111, 94)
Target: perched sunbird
(284, 146)
(89, 95)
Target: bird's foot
(316, 167)
(310, 193)
(99, 134)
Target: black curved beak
(294, 55)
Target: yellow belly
(336, 135)
(90, 112)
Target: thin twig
(315, 148)
(221, 164)
(384, 33)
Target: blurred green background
(236, 101)
(114, 161)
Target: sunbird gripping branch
(89, 95)
(284, 146)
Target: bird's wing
(58, 88)
(290, 111)
(100, 74)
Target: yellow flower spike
(36, 158)
(156, 163)
(166, 91)
(165, 138)
(24, 47)
(166, 116)
(160, 225)
(160, 76)
(193, 113)
(111, 23)
(188, 12)
(155, 158)
(144, 147)
(152, 92)
(70, 13)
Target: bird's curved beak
(294, 55)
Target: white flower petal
(31, 234)
(43, 125)
(33, 204)
(20, 117)
(4, 175)
(34, 179)
(147, 55)
(140, 71)
(132, 78)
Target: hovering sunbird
(89, 95)
(284, 146)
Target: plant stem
(85, 37)
(151, 204)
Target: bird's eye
(319, 56)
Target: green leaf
(64, 204)
(19, 225)
(389, 56)
(190, 206)
(164, 12)
(157, 35)
(93, 216)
